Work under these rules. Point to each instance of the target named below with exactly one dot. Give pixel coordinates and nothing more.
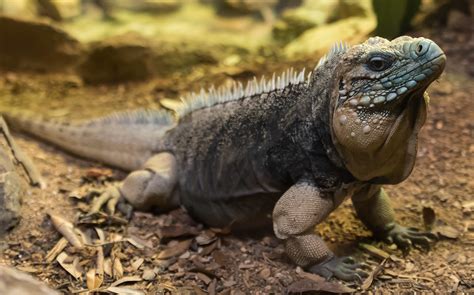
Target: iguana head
(378, 104)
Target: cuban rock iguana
(294, 145)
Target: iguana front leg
(373, 208)
(153, 186)
(294, 217)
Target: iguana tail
(124, 140)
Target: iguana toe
(405, 237)
(344, 268)
(110, 197)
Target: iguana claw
(344, 268)
(404, 237)
(110, 198)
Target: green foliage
(394, 16)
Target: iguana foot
(344, 268)
(404, 237)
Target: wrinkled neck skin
(386, 154)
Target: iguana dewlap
(290, 148)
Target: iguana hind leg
(294, 217)
(152, 187)
(373, 208)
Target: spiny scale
(236, 91)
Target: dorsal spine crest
(236, 91)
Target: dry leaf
(108, 267)
(369, 280)
(374, 251)
(174, 231)
(203, 278)
(149, 274)
(100, 234)
(175, 250)
(127, 279)
(206, 237)
(137, 263)
(312, 282)
(117, 268)
(66, 228)
(71, 268)
(446, 231)
(92, 279)
(58, 248)
(100, 266)
(124, 291)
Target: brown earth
(215, 262)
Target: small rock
(265, 273)
(15, 282)
(35, 45)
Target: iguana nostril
(421, 47)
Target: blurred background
(105, 41)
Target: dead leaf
(100, 266)
(137, 263)
(446, 231)
(66, 228)
(117, 268)
(97, 173)
(203, 278)
(71, 268)
(175, 250)
(429, 217)
(138, 243)
(369, 280)
(108, 267)
(312, 282)
(149, 274)
(58, 248)
(374, 251)
(93, 281)
(206, 237)
(128, 279)
(175, 231)
(124, 291)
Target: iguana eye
(378, 63)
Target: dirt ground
(171, 253)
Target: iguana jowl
(292, 146)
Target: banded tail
(124, 140)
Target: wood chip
(429, 217)
(66, 228)
(175, 250)
(58, 248)
(374, 251)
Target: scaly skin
(297, 148)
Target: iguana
(288, 150)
